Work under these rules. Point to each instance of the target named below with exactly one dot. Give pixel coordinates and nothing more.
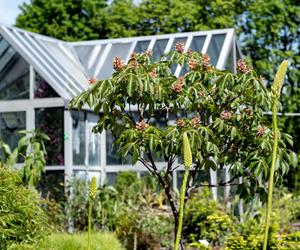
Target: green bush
(255, 242)
(21, 216)
(205, 219)
(64, 241)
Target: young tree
(221, 113)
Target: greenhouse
(39, 76)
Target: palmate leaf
(140, 93)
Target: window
(83, 138)
(141, 46)
(42, 89)
(78, 138)
(118, 49)
(159, 48)
(112, 156)
(111, 178)
(215, 47)
(51, 185)
(14, 73)
(94, 141)
(50, 122)
(10, 124)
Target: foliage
(64, 241)
(205, 219)
(134, 212)
(8, 157)
(77, 202)
(31, 145)
(55, 213)
(254, 242)
(221, 112)
(22, 219)
(31, 148)
(68, 20)
(285, 212)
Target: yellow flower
(187, 153)
(93, 188)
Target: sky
(9, 11)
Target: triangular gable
(54, 60)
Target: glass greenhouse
(39, 75)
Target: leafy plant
(32, 147)
(221, 112)
(205, 219)
(8, 157)
(32, 150)
(275, 92)
(22, 219)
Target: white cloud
(9, 11)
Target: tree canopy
(67, 20)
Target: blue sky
(9, 11)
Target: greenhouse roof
(67, 66)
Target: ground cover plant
(221, 113)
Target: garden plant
(221, 113)
(275, 93)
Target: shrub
(205, 219)
(22, 218)
(255, 242)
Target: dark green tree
(270, 33)
(68, 20)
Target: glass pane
(52, 185)
(94, 141)
(87, 175)
(197, 43)
(220, 179)
(3, 45)
(10, 124)
(111, 178)
(180, 174)
(42, 89)
(119, 49)
(230, 63)
(112, 156)
(201, 177)
(89, 56)
(141, 46)
(159, 48)
(215, 47)
(64, 56)
(51, 122)
(14, 73)
(78, 138)
(238, 55)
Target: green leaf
(293, 159)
